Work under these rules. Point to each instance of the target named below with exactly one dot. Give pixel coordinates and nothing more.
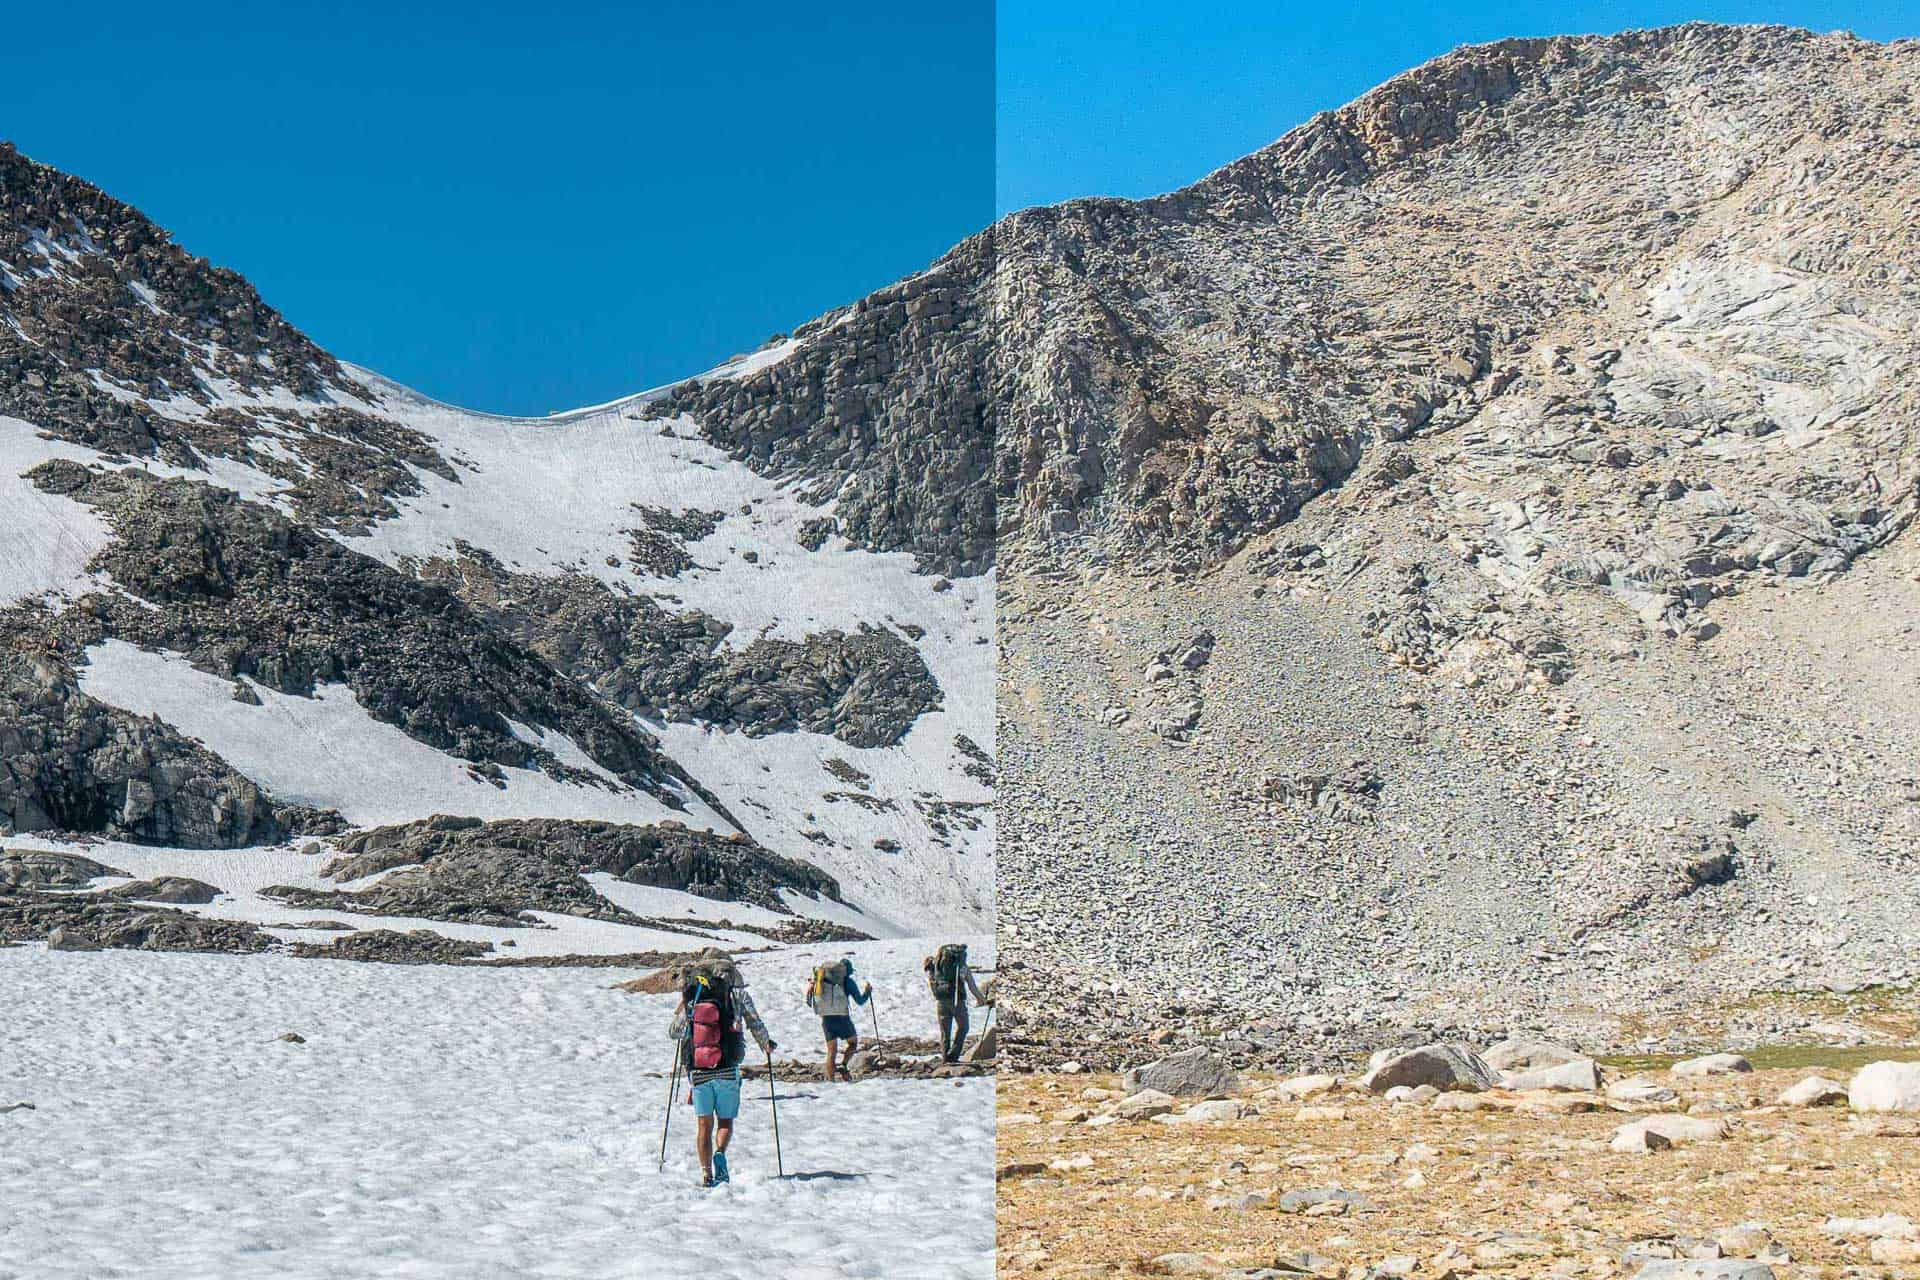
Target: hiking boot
(706, 1180)
(720, 1172)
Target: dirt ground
(1527, 1187)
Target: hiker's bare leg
(833, 1047)
(724, 1135)
(703, 1142)
(853, 1042)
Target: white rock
(1814, 1091)
(1523, 1053)
(1888, 1226)
(1638, 1089)
(1581, 1074)
(1302, 1087)
(1657, 1133)
(1144, 1105)
(1886, 1086)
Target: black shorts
(838, 1026)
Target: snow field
(447, 1122)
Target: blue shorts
(838, 1026)
(717, 1098)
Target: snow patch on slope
(327, 751)
(49, 539)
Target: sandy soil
(1530, 1188)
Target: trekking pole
(673, 1087)
(779, 1160)
(873, 1007)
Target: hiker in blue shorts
(715, 1006)
(832, 993)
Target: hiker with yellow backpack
(832, 993)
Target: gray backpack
(828, 993)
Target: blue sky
(1129, 98)
(526, 207)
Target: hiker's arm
(856, 994)
(966, 973)
(751, 1016)
(678, 1027)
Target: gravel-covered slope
(1458, 561)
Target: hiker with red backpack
(709, 1031)
(832, 993)
(950, 980)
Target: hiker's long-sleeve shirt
(744, 1010)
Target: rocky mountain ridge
(1533, 442)
(251, 596)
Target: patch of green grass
(1799, 1057)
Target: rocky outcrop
(1537, 430)
(462, 869)
(27, 869)
(885, 409)
(390, 946)
(865, 689)
(69, 763)
(90, 923)
(243, 591)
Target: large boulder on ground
(1814, 1091)
(1144, 1105)
(1640, 1091)
(1578, 1074)
(1886, 1086)
(1657, 1133)
(179, 890)
(986, 1048)
(1448, 1067)
(1192, 1072)
(44, 869)
(1705, 1269)
(1713, 1064)
(1524, 1053)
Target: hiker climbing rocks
(950, 979)
(831, 994)
(710, 1043)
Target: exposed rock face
(179, 890)
(69, 763)
(22, 869)
(866, 689)
(1539, 429)
(122, 338)
(244, 591)
(196, 478)
(82, 923)
(390, 946)
(462, 869)
(886, 408)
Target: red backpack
(713, 1032)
